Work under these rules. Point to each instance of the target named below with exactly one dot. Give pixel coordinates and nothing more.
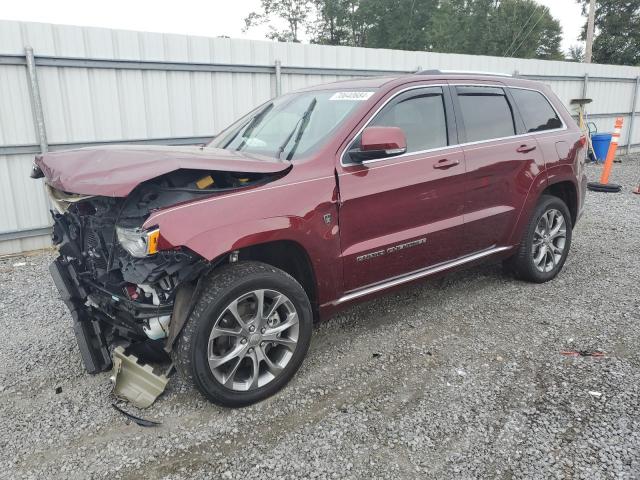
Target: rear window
(537, 113)
(486, 113)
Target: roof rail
(462, 72)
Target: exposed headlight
(139, 243)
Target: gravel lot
(460, 377)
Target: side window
(486, 113)
(537, 113)
(421, 116)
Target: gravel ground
(459, 377)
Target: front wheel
(546, 242)
(247, 336)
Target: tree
(295, 14)
(517, 28)
(617, 39)
(401, 25)
(520, 28)
(576, 53)
(398, 24)
(338, 22)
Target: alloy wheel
(549, 239)
(253, 340)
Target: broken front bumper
(137, 383)
(88, 331)
(101, 318)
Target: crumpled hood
(114, 171)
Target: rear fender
(557, 174)
(567, 173)
(537, 187)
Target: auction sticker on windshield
(353, 96)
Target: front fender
(305, 213)
(217, 241)
(322, 248)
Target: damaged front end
(123, 285)
(114, 297)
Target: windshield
(292, 126)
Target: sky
(210, 18)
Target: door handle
(445, 163)
(525, 148)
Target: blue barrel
(601, 143)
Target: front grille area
(94, 249)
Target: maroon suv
(223, 256)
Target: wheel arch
(291, 257)
(287, 255)
(556, 182)
(566, 191)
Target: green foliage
(576, 53)
(617, 39)
(339, 22)
(294, 14)
(520, 28)
(401, 24)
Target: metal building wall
(173, 103)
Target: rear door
(502, 161)
(541, 120)
(403, 213)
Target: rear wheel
(546, 242)
(247, 336)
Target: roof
(462, 72)
(377, 82)
(368, 82)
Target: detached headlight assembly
(139, 243)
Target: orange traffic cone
(603, 185)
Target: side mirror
(379, 142)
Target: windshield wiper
(303, 122)
(249, 127)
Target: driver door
(404, 213)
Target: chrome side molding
(418, 274)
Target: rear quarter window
(536, 111)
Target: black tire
(222, 287)
(522, 264)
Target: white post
(585, 85)
(278, 78)
(634, 99)
(36, 102)
(588, 53)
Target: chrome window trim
(418, 152)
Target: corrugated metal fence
(100, 86)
